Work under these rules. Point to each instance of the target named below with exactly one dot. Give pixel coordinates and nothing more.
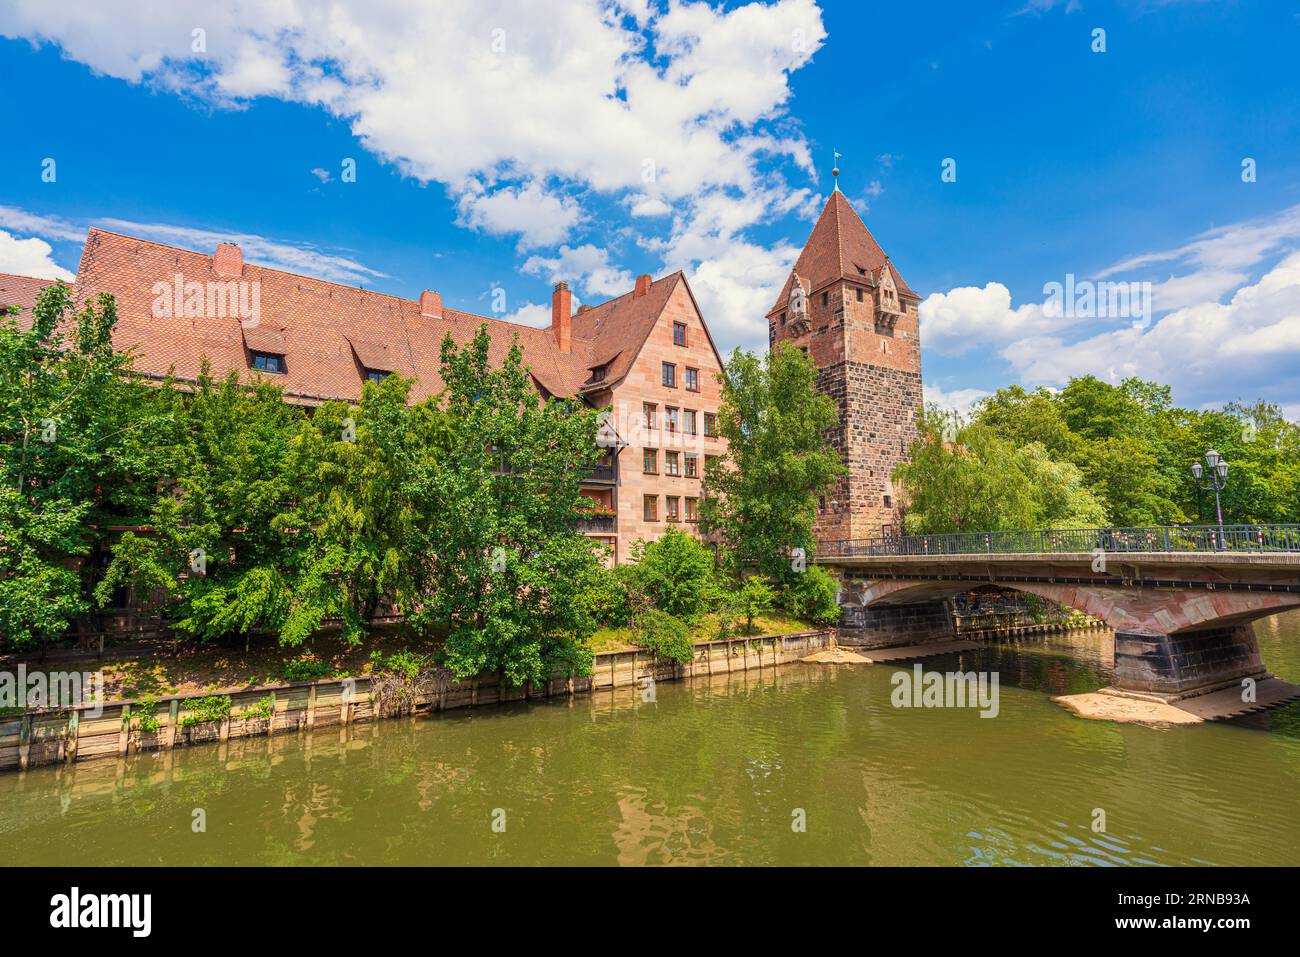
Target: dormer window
(376, 375)
(268, 362)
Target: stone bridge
(1180, 600)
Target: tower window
(859, 294)
(826, 299)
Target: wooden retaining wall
(34, 738)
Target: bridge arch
(1124, 608)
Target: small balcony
(598, 524)
(600, 475)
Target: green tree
(761, 496)
(967, 477)
(812, 596)
(214, 547)
(754, 598)
(503, 567)
(82, 447)
(359, 510)
(675, 572)
(1124, 439)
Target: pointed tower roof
(840, 247)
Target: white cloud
(457, 89)
(524, 111)
(539, 217)
(29, 257)
(650, 206)
(1209, 285)
(303, 258)
(33, 224)
(958, 400)
(1234, 247)
(537, 315)
(587, 267)
(736, 285)
(1209, 352)
(971, 317)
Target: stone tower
(849, 309)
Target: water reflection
(713, 771)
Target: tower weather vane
(835, 170)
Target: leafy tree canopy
(761, 496)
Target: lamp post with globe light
(1213, 475)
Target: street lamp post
(1213, 476)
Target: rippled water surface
(714, 771)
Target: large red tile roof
(840, 247)
(329, 333)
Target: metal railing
(1166, 538)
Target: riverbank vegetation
(1095, 454)
(237, 519)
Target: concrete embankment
(31, 738)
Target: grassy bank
(706, 629)
(190, 668)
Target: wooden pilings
(33, 738)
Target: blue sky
(505, 143)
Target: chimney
(228, 261)
(642, 287)
(562, 316)
(431, 304)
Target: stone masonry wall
(1186, 661)
(888, 626)
(877, 408)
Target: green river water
(715, 771)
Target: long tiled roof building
(647, 354)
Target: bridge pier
(888, 626)
(1187, 662)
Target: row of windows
(675, 463)
(274, 363)
(673, 511)
(673, 416)
(670, 377)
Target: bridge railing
(1165, 538)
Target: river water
(714, 771)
